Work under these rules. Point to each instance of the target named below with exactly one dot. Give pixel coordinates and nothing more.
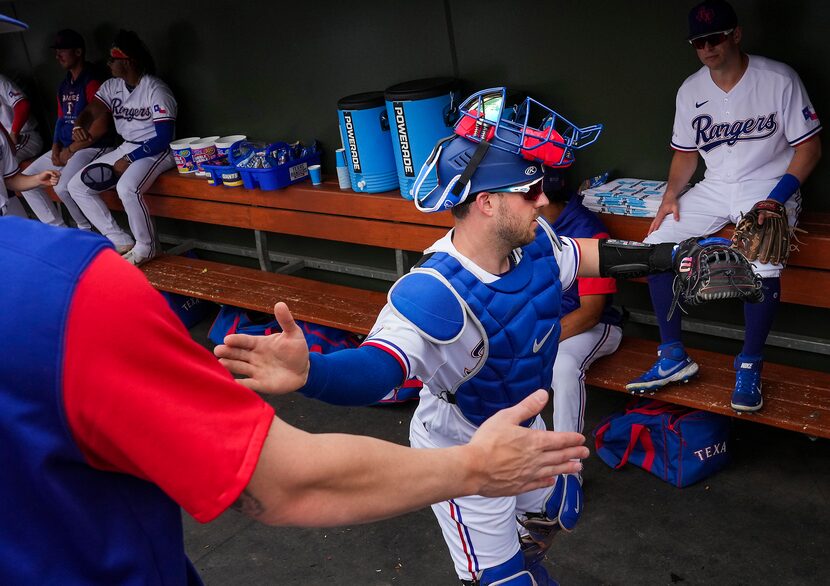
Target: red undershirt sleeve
(21, 115)
(597, 285)
(142, 398)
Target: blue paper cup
(316, 174)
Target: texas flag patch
(809, 114)
(159, 109)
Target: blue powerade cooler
(364, 130)
(421, 112)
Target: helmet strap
(475, 160)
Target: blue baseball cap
(711, 16)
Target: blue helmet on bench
(496, 146)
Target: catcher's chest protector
(518, 317)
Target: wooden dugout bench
(794, 398)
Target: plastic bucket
(204, 151)
(421, 112)
(224, 144)
(227, 173)
(364, 131)
(183, 155)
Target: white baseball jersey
(136, 111)
(441, 366)
(749, 132)
(10, 95)
(8, 166)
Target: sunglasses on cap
(713, 40)
(529, 191)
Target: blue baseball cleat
(747, 393)
(673, 366)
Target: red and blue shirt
(111, 417)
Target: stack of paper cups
(183, 155)
(204, 152)
(342, 170)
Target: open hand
(514, 459)
(274, 364)
(668, 206)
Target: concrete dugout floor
(765, 520)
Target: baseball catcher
(477, 320)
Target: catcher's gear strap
(509, 573)
(624, 259)
(475, 160)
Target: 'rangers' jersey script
(749, 132)
(10, 95)
(136, 111)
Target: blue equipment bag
(189, 309)
(233, 320)
(679, 445)
(322, 339)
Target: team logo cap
(711, 16)
(68, 39)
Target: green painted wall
(274, 70)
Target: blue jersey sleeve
(358, 376)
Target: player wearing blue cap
(477, 320)
(751, 121)
(77, 89)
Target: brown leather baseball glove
(768, 242)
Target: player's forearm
(358, 376)
(582, 318)
(21, 182)
(805, 159)
(336, 479)
(683, 167)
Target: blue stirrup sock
(660, 288)
(758, 317)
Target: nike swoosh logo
(700, 104)
(662, 372)
(537, 344)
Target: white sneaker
(137, 259)
(123, 249)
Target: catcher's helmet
(494, 148)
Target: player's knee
(126, 191)
(76, 187)
(509, 573)
(566, 368)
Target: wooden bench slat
(354, 310)
(330, 199)
(813, 253)
(799, 286)
(343, 229)
(795, 399)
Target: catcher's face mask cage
(494, 146)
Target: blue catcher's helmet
(495, 148)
